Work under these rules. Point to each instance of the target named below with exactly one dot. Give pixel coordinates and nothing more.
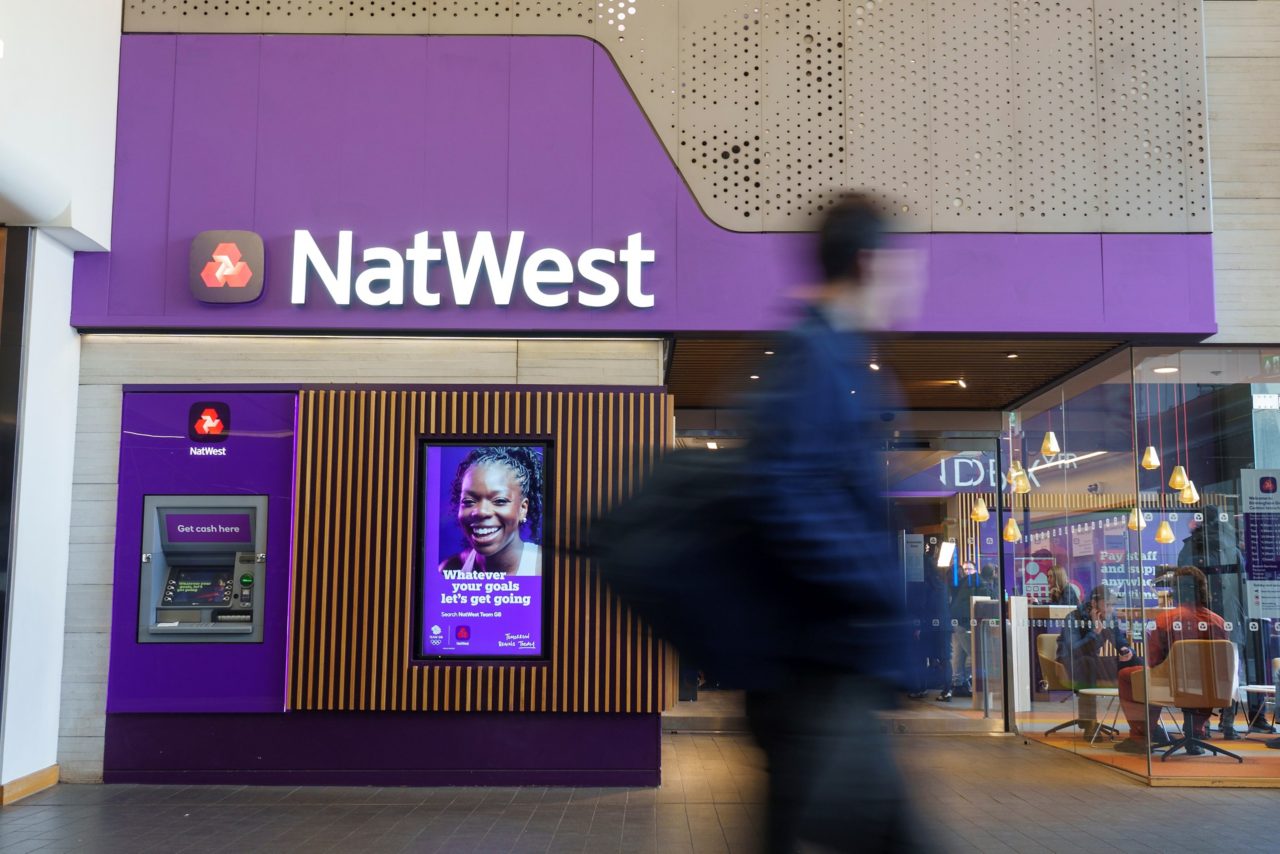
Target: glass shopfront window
(1142, 545)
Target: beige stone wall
(1243, 49)
(110, 362)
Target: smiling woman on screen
(497, 500)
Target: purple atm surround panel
(534, 133)
(156, 459)
(385, 749)
(214, 713)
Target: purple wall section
(386, 749)
(155, 460)
(388, 136)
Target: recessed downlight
(1011, 355)
(960, 382)
(874, 366)
(711, 446)
(755, 376)
(1166, 370)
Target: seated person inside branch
(1190, 612)
(1092, 648)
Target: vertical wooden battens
(354, 585)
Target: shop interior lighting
(1011, 355)
(755, 376)
(711, 446)
(768, 352)
(1166, 370)
(1012, 533)
(960, 382)
(980, 511)
(874, 366)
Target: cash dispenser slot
(203, 566)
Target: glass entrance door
(940, 500)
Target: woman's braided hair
(524, 462)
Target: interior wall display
(484, 512)
(1260, 489)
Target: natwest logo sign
(597, 278)
(226, 266)
(208, 421)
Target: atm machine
(203, 568)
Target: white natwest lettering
(546, 276)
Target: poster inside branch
(483, 520)
(1260, 489)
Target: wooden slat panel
(351, 636)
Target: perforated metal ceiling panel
(721, 150)
(967, 115)
(887, 107)
(1056, 155)
(803, 113)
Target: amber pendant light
(1179, 479)
(1049, 448)
(1188, 495)
(1012, 533)
(980, 512)
(1164, 534)
(1150, 459)
(1136, 520)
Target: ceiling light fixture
(980, 512)
(1012, 533)
(962, 383)
(755, 376)
(874, 366)
(768, 352)
(1166, 370)
(1011, 355)
(711, 446)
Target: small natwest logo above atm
(208, 421)
(226, 266)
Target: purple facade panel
(140, 209)
(389, 136)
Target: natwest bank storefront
(356, 281)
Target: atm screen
(197, 587)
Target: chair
(1197, 674)
(1057, 678)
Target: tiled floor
(978, 793)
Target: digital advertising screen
(189, 588)
(483, 515)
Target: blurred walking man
(841, 631)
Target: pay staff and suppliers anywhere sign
(1260, 489)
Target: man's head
(850, 231)
(1190, 587)
(1101, 598)
(866, 285)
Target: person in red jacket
(1190, 619)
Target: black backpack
(687, 556)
